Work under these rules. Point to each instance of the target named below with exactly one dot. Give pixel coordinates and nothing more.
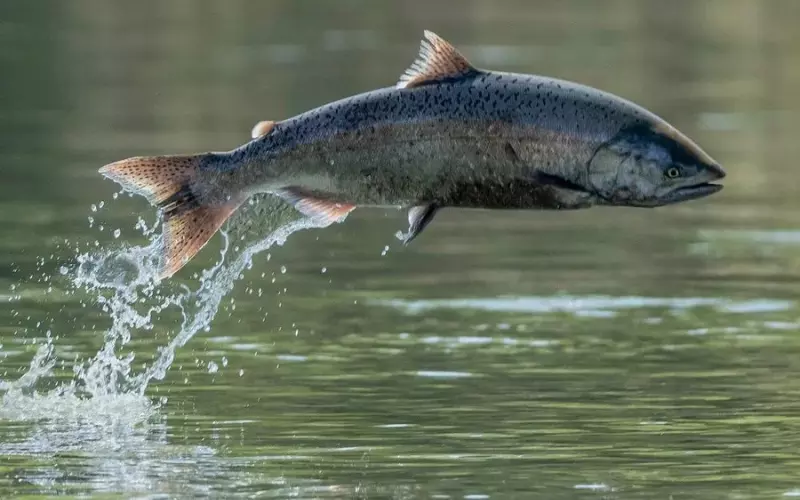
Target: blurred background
(611, 353)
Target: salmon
(448, 134)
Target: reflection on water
(603, 353)
(590, 306)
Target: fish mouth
(693, 192)
(677, 195)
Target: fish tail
(170, 183)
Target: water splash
(123, 282)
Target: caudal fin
(166, 181)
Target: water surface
(608, 353)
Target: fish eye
(673, 172)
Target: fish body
(447, 135)
(404, 147)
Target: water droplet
(324, 270)
(117, 232)
(212, 367)
(94, 207)
(241, 372)
(283, 269)
(224, 361)
(385, 250)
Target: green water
(608, 353)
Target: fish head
(650, 165)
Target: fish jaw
(690, 193)
(701, 186)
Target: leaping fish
(448, 134)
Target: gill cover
(619, 167)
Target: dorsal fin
(437, 60)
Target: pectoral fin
(418, 218)
(546, 179)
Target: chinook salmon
(448, 134)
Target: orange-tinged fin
(188, 231)
(315, 205)
(154, 177)
(262, 128)
(166, 181)
(437, 60)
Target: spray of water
(123, 283)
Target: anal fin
(315, 205)
(418, 218)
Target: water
(608, 353)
